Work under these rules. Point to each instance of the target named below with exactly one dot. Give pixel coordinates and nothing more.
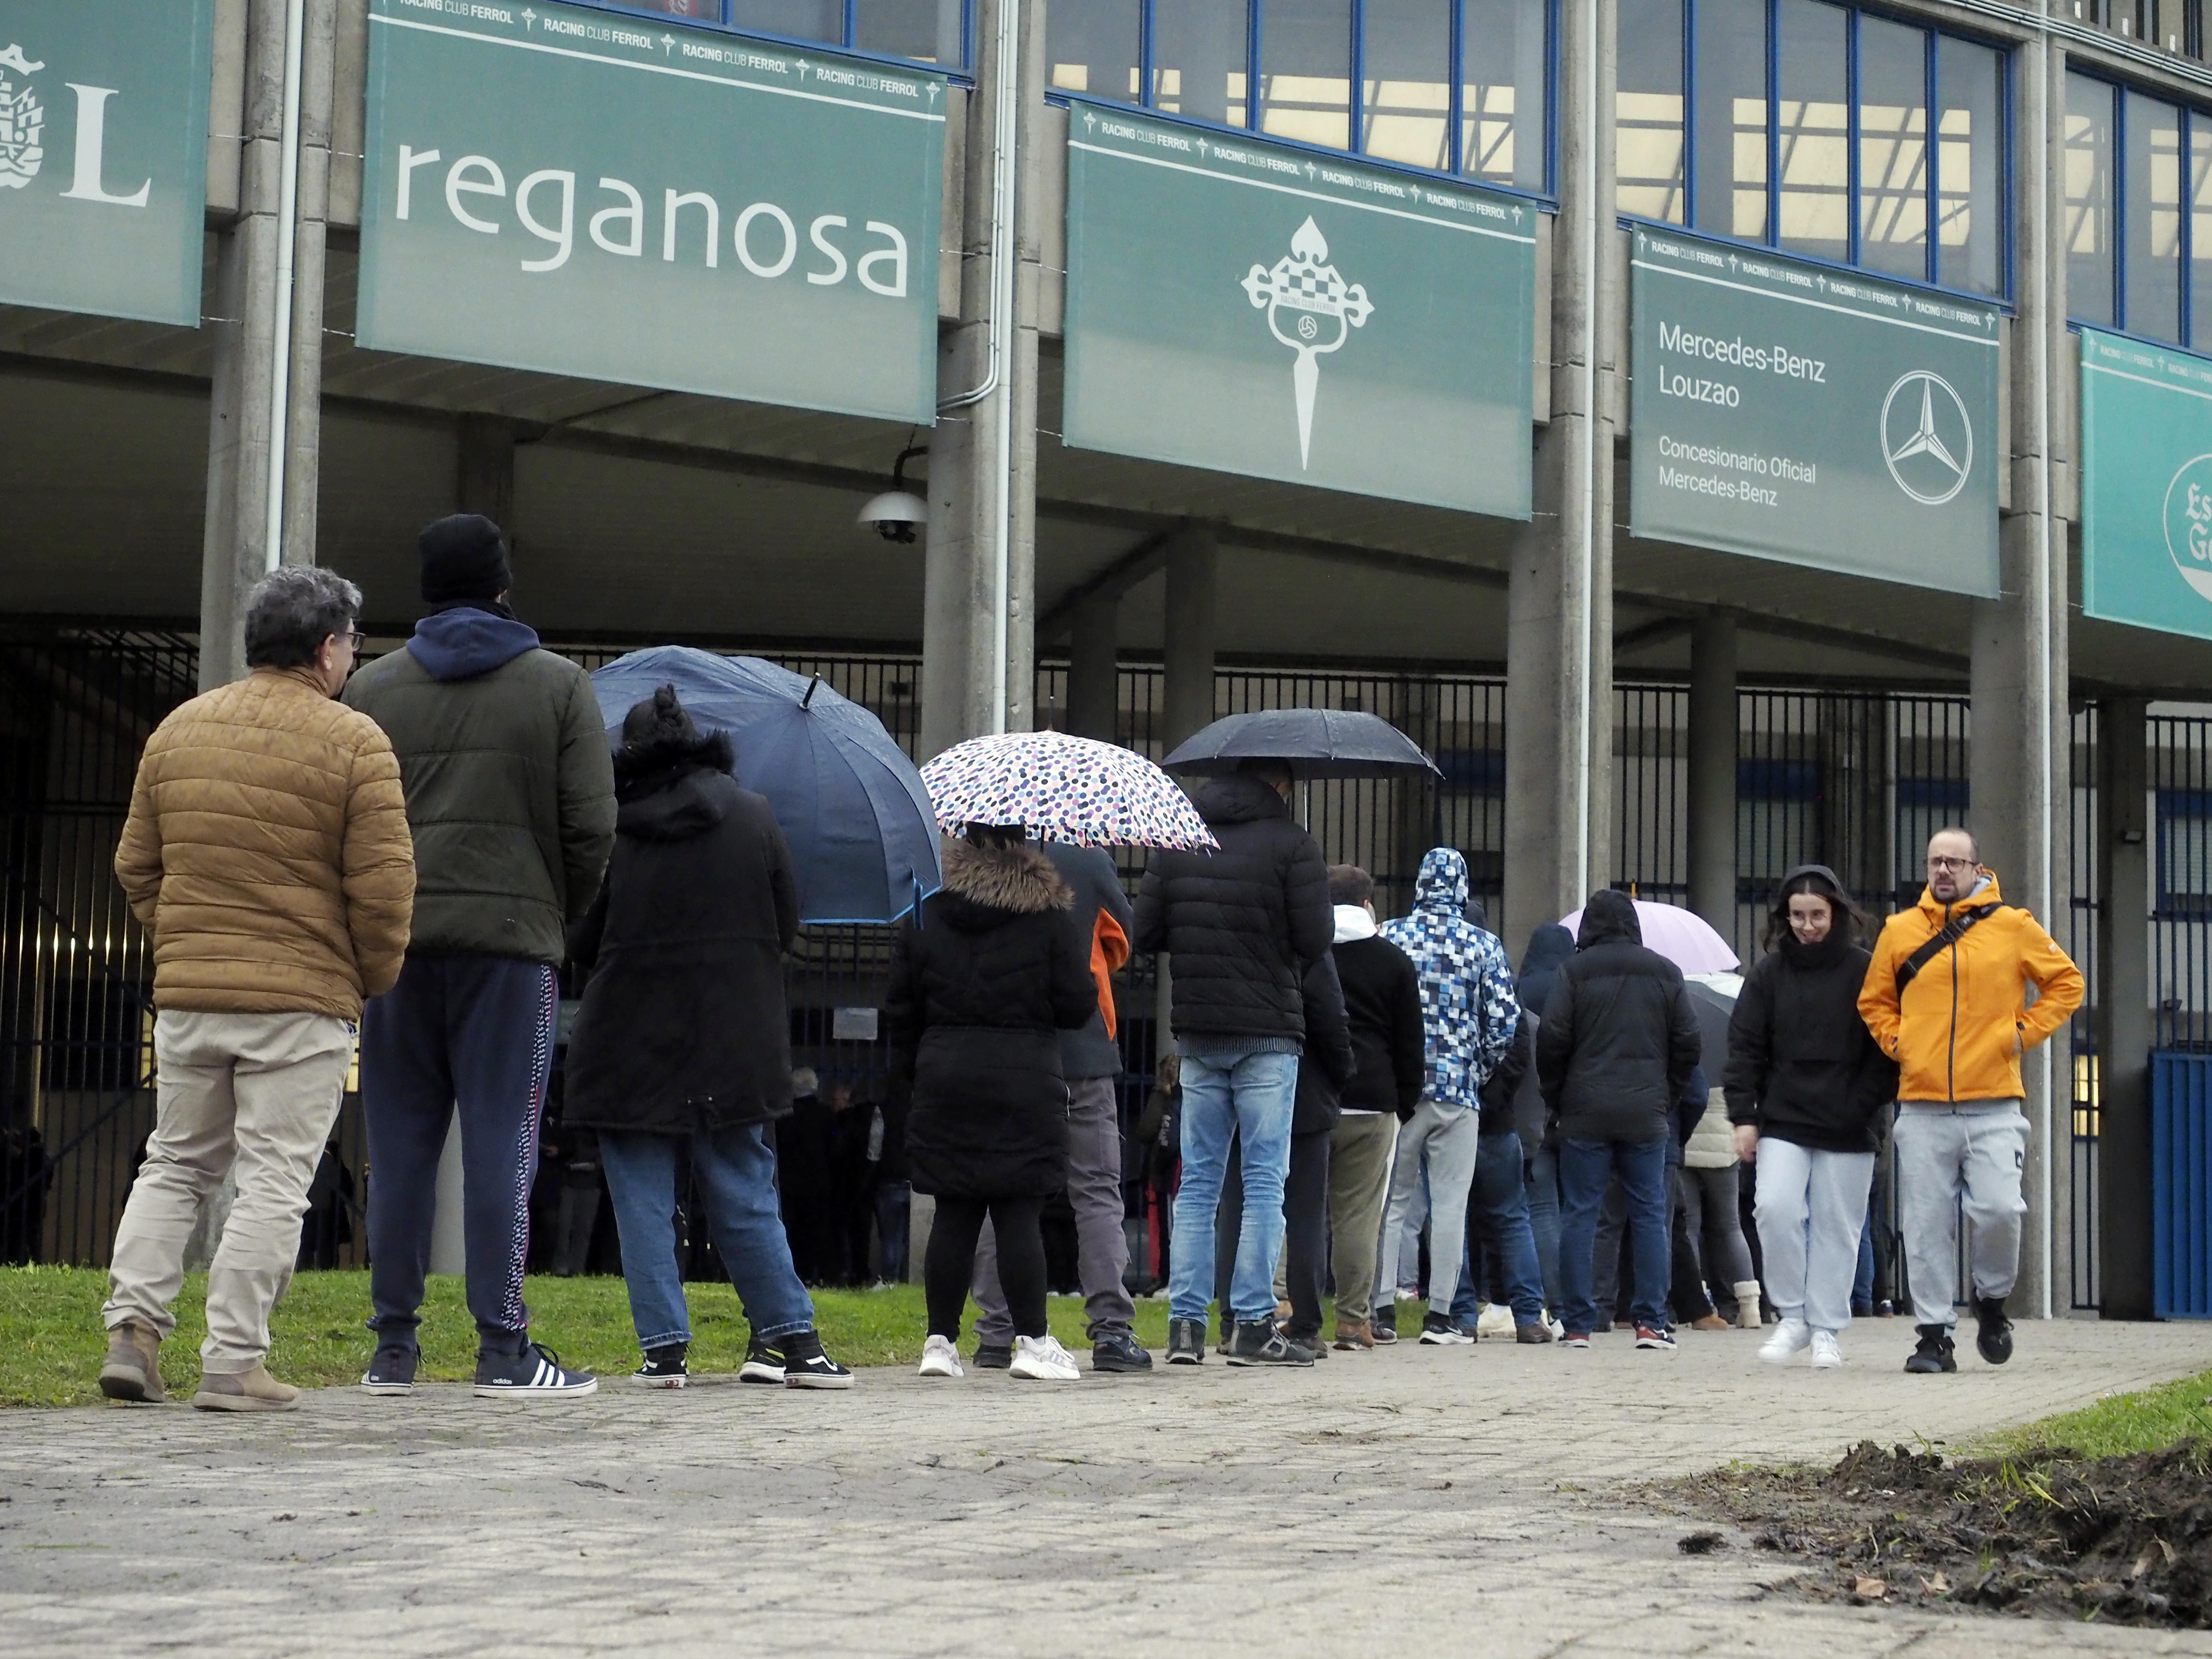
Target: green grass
(52, 1340)
(2119, 1425)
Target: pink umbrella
(1683, 936)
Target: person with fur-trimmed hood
(682, 1044)
(985, 976)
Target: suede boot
(133, 1369)
(245, 1391)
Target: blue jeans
(1862, 1280)
(736, 1174)
(1250, 1097)
(1500, 1211)
(1584, 1167)
(893, 1217)
(1544, 1223)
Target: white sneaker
(1558, 1327)
(1495, 1321)
(940, 1358)
(1789, 1337)
(1827, 1354)
(1041, 1359)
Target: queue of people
(403, 858)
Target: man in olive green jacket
(510, 798)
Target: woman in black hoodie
(683, 1045)
(1807, 1089)
(984, 978)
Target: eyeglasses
(1935, 863)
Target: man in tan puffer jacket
(267, 852)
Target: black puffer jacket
(1514, 1077)
(1328, 1063)
(1242, 924)
(683, 1026)
(983, 981)
(1619, 1038)
(1802, 1064)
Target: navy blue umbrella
(862, 832)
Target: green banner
(2146, 485)
(103, 156)
(1236, 305)
(1793, 412)
(592, 194)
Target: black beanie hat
(464, 557)
(658, 720)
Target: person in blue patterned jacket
(1470, 1012)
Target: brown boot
(245, 1391)
(1710, 1321)
(133, 1370)
(1353, 1333)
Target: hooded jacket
(510, 796)
(1243, 925)
(1964, 1022)
(1383, 1006)
(684, 1025)
(1802, 1064)
(1548, 946)
(1097, 885)
(984, 981)
(1468, 1007)
(1618, 1040)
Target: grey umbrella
(1314, 743)
(1714, 1006)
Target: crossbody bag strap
(1941, 940)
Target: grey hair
(292, 611)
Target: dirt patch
(2119, 1540)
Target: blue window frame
(934, 32)
(1820, 129)
(2138, 213)
(1458, 87)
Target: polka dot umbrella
(1063, 788)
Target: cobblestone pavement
(1465, 1495)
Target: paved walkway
(1461, 1495)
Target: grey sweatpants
(1094, 1190)
(1946, 1152)
(1450, 1136)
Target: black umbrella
(1714, 1006)
(1314, 743)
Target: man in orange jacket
(1945, 998)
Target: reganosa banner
(599, 195)
(1792, 411)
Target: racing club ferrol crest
(22, 120)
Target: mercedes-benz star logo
(1927, 441)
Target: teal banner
(592, 194)
(1234, 304)
(103, 156)
(2146, 485)
(1790, 411)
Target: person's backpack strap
(1941, 940)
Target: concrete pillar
(1712, 775)
(484, 470)
(2022, 727)
(961, 582)
(1094, 693)
(449, 1251)
(1558, 662)
(243, 312)
(2124, 1010)
(1192, 574)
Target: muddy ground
(2047, 1534)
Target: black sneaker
(662, 1368)
(1992, 1330)
(1934, 1355)
(1117, 1350)
(763, 1363)
(392, 1372)
(535, 1373)
(1438, 1332)
(1186, 1342)
(1261, 1344)
(1228, 1341)
(806, 1366)
(995, 1356)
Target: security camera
(896, 512)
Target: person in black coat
(1809, 1091)
(984, 978)
(1241, 926)
(1616, 1050)
(683, 1037)
(1324, 1069)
